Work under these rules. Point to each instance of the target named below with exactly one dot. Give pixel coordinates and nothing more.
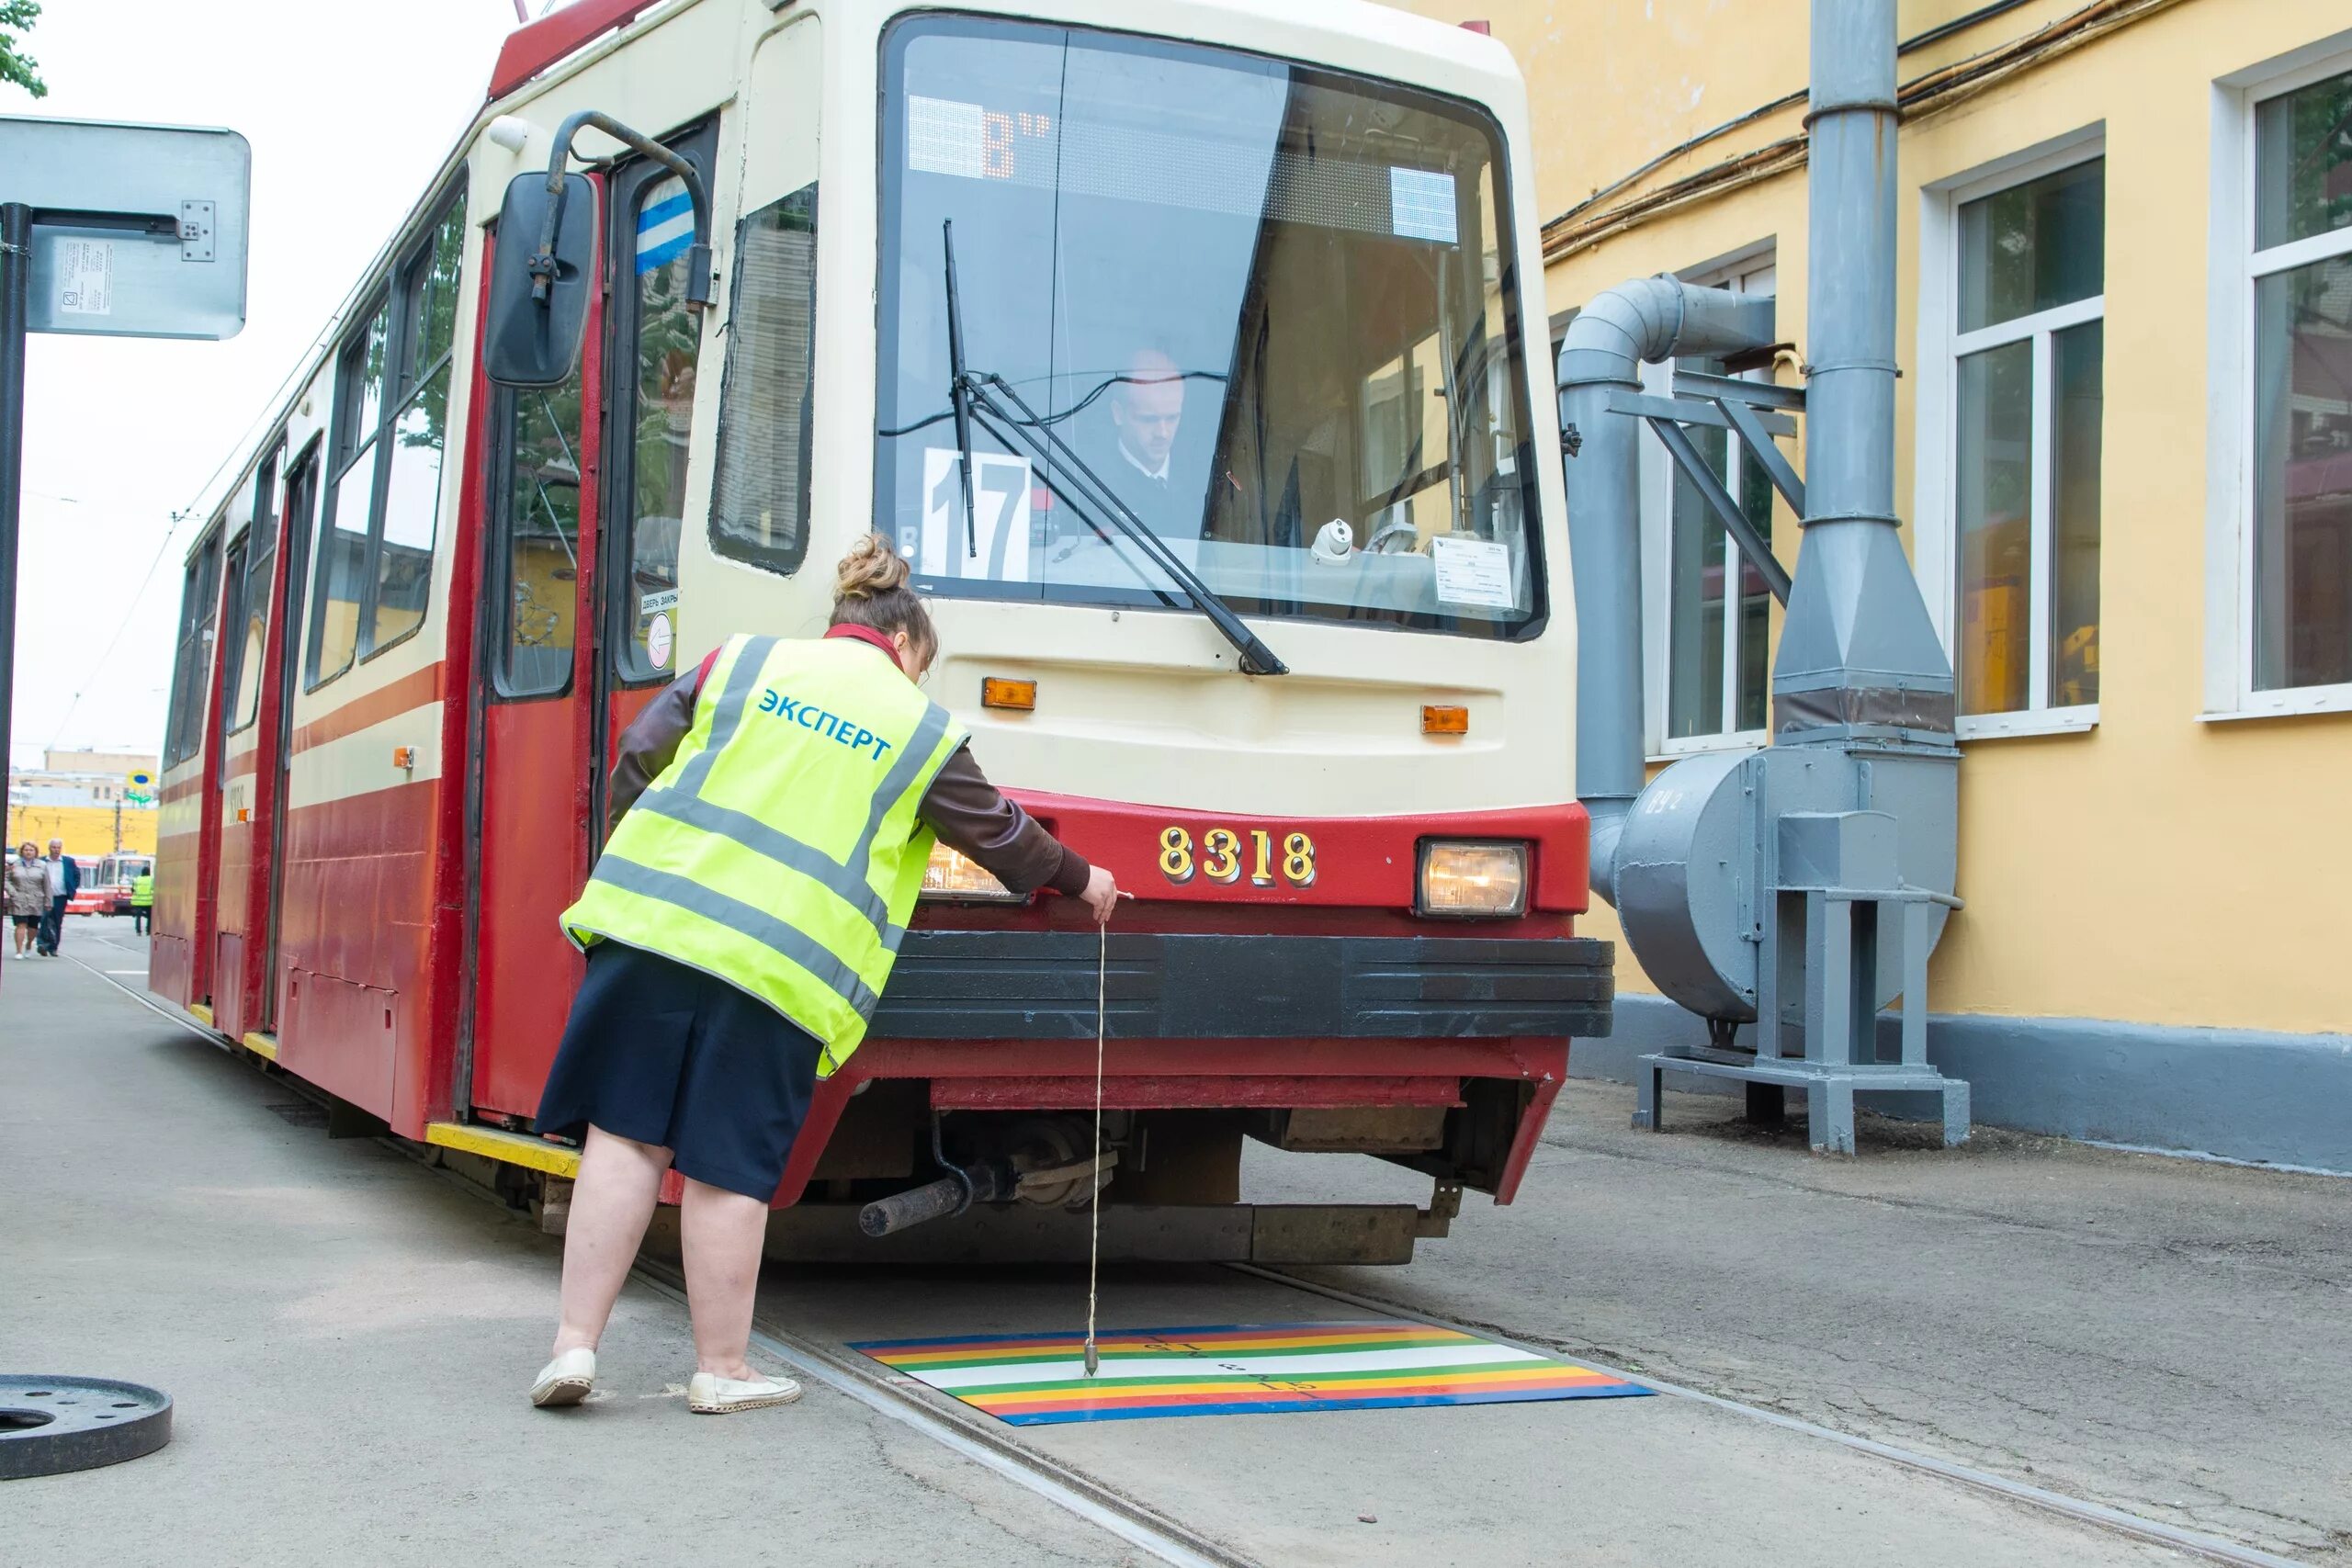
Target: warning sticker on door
(665, 600)
(85, 277)
(658, 640)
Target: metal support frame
(16, 274)
(1677, 442)
(542, 262)
(1725, 402)
(1836, 894)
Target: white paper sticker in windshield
(665, 600)
(945, 137)
(1471, 572)
(1420, 205)
(992, 544)
(85, 277)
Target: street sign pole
(15, 273)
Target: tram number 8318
(1222, 856)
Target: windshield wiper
(974, 400)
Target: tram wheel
(52, 1424)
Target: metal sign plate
(138, 230)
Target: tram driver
(1146, 410)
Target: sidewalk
(2166, 1336)
(349, 1336)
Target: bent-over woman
(775, 810)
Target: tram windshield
(1272, 310)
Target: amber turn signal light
(1444, 720)
(996, 692)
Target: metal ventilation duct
(1803, 882)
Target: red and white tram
(1251, 325)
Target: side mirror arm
(542, 266)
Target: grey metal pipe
(1849, 310)
(1646, 319)
(1858, 658)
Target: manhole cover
(50, 1425)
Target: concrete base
(2241, 1094)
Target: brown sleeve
(974, 819)
(651, 739)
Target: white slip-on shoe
(566, 1380)
(707, 1393)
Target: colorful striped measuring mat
(1031, 1380)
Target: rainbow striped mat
(1036, 1380)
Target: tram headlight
(957, 878)
(1472, 878)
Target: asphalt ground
(349, 1334)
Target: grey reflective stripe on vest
(756, 836)
(729, 717)
(757, 925)
(911, 760)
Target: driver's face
(1147, 414)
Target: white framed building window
(1706, 610)
(2300, 577)
(2279, 598)
(2012, 325)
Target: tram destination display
(1178, 168)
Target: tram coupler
(991, 1181)
(1039, 1170)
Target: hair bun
(872, 567)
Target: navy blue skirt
(666, 1054)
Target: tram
(1257, 594)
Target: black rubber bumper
(1161, 986)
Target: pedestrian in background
(143, 902)
(64, 881)
(27, 895)
(740, 928)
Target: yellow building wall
(86, 830)
(2157, 869)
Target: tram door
(652, 347)
(276, 745)
(579, 608)
(530, 804)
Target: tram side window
(342, 549)
(541, 529)
(232, 617)
(418, 434)
(668, 348)
(759, 505)
(375, 533)
(184, 731)
(243, 680)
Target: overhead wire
(1579, 228)
(273, 409)
(1786, 100)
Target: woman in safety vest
(775, 810)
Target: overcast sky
(349, 107)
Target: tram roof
(534, 51)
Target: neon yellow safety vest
(143, 892)
(781, 850)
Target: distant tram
(1258, 597)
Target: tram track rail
(983, 1440)
(1163, 1538)
(2101, 1515)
